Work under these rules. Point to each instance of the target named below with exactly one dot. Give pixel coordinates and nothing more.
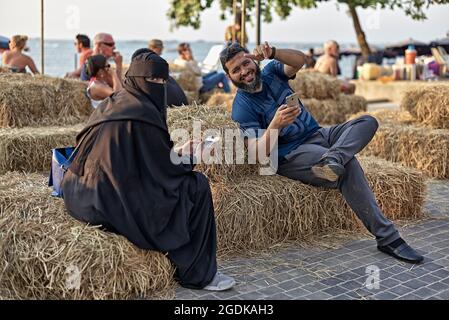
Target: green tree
(188, 12)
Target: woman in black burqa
(124, 179)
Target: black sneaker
(328, 169)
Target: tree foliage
(188, 12)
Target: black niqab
(144, 67)
(123, 178)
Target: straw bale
(335, 111)
(221, 99)
(311, 84)
(41, 100)
(401, 139)
(40, 242)
(29, 149)
(214, 121)
(261, 211)
(186, 78)
(429, 105)
(41, 246)
(4, 70)
(192, 96)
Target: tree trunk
(361, 39)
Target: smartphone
(293, 100)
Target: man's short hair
(182, 46)
(229, 52)
(99, 37)
(331, 43)
(155, 43)
(84, 40)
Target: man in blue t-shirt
(323, 157)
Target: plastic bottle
(410, 55)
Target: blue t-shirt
(256, 110)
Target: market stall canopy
(444, 42)
(422, 48)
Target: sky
(146, 19)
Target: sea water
(60, 55)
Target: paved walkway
(349, 270)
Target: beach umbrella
(422, 48)
(4, 42)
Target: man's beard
(254, 86)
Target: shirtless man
(15, 60)
(328, 64)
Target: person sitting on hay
(322, 157)
(206, 82)
(103, 79)
(123, 178)
(328, 64)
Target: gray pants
(342, 142)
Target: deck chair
(211, 62)
(442, 58)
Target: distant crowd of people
(95, 64)
(95, 67)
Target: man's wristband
(273, 52)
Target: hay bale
(192, 96)
(40, 244)
(4, 70)
(386, 115)
(42, 100)
(213, 121)
(29, 149)
(186, 78)
(429, 105)
(335, 111)
(401, 139)
(310, 84)
(261, 211)
(221, 99)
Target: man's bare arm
(333, 68)
(293, 60)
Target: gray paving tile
(400, 290)
(298, 293)
(438, 286)
(320, 295)
(336, 290)
(385, 295)
(414, 284)
(424, 292)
